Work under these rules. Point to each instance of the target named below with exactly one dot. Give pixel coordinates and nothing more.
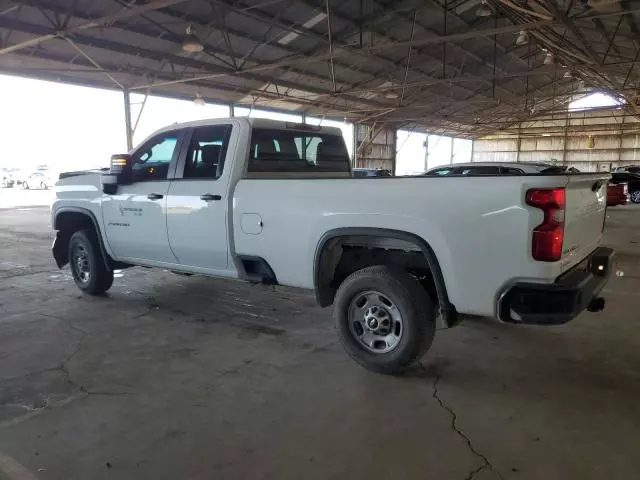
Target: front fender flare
(57, 249)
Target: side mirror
(122, 167)
(120, 173)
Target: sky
(71, 128)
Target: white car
(275, 202)
(36, 180)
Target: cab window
(207, 151)
(294, 151)
(151, 161)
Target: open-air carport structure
(465, 68)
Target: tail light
(549, 235)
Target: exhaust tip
(596, 305)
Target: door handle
(207, 197)
(154, 196)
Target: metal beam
(220, 71)
(98, 22)
(94, 63)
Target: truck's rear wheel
(87, 265)
(384, 318)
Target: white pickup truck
(275, 202)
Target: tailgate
(586, 203)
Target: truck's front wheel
(384, 318)
(87, 266)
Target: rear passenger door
(197, 203)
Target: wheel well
(342, 255)
(67, 223)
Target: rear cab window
(297, 152)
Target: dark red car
(631, 180)
(617, 194)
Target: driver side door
(135, 217)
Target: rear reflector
(549, 235)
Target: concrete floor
(171, 377)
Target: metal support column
(519, 143)
(426, 152)
(232, 110)
(127, 119)
(394, 153)
(304, 117)
(620, 142)
(451, 152)
(354, 144)
(564, 141)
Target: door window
(151, 161)
(207, 151)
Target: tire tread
(416, 304)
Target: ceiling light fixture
(199, 100)
(190, 43)
(484, 10)
(523, 38)
(549, 59)
(567, 74)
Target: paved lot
(17, 197)
(170, 377)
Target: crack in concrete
(63, 365)
(64, 368)
(25, 274)
(486, 464)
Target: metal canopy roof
(434, 65)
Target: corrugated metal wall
(590, 141)
(375, 147)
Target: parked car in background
(498, 168)
(617, 194)
(7, 180)
(370, 172)
(632, 180)
(627, 168)
(36, 180)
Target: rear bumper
(561, 301)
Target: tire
(402, 298)
(635, 196)
(87, 265)
(25, 186)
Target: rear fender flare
(447, 310)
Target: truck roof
(254, 122)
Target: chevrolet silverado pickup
(276, 203)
